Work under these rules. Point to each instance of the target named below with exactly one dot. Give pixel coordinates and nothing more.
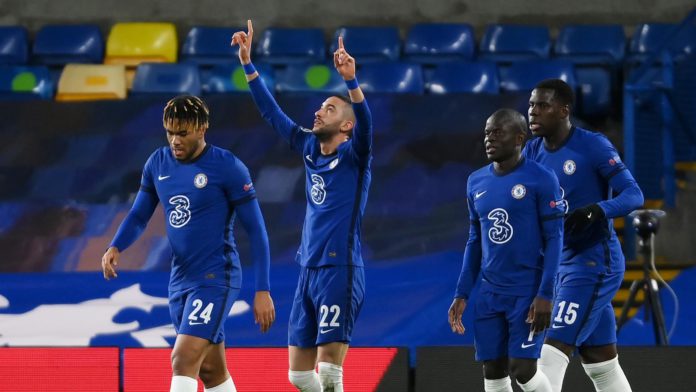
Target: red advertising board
(59, 369)
(254, 369)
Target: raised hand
(344, 63)
(244, 41)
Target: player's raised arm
(362, 132)
(244, 40)
(267, 105)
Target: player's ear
(347, 126)
(565, 111)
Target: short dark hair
(186, 109)
(343, 98)
(513, 117)
(562, 92)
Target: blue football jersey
(199, 199)
(515, 233)
(336, 185)
(585, 164)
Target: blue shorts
(583, 314)
(500, 327)
(202, 311)
(327, 302)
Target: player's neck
(507, 165)
(559, 137)
(330, 145)
(199, 150)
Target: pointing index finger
(340, 42)
(250, 28)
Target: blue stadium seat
(475, 77)
(649, 36)
(286, 45)
(391, 77)
(369, 44)
(591, 44)
(510, 43)
(63, 44)
(14, 45)
(25, 83)
(230, 78)
(597, 51)
(431, 43)
(209, 45)
(525, 75)
(309, 78)
(165, 78)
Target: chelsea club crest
(200, 181)
(518, 191)
(569, 167)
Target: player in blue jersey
(202, 189)
(515, 234)
(592, 265)
(336, 152)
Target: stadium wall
(329, 15)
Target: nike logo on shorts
(323, 331)
(192, 323)
(554, 326)
(524, 345)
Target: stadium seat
(597, 51)
(157, 78)
(209, 46)
(230, 78)
(14, 45)
(63, 44)
(135, 43)
(391, 77)
(475, 77)
(89, 82)
(309, 78)
(591, 44)
(648, 37)
(287, 45)
(369, 44)
(25, 83)
(525, 75)
(510, 43)
(431, 43)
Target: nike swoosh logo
(323, 331)
(162, 177)
(589, 216)
(524, 345)
(192, 323)
(554, 326)
(479, 194)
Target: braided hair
(186, 110)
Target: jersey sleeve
(294, 134)
(551, 208)
(252, 220)
(612, 169)
(237, 183)
(140, 213)
(471, 265)
(362, 132)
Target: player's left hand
(244, 41)
(344, 63)
(539, 314)
(580, 219)
(264, 311)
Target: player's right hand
(455, 315)
(109, 262)
(264, 310)
(244, 41)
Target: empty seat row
(132, 43)
(90, 81)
